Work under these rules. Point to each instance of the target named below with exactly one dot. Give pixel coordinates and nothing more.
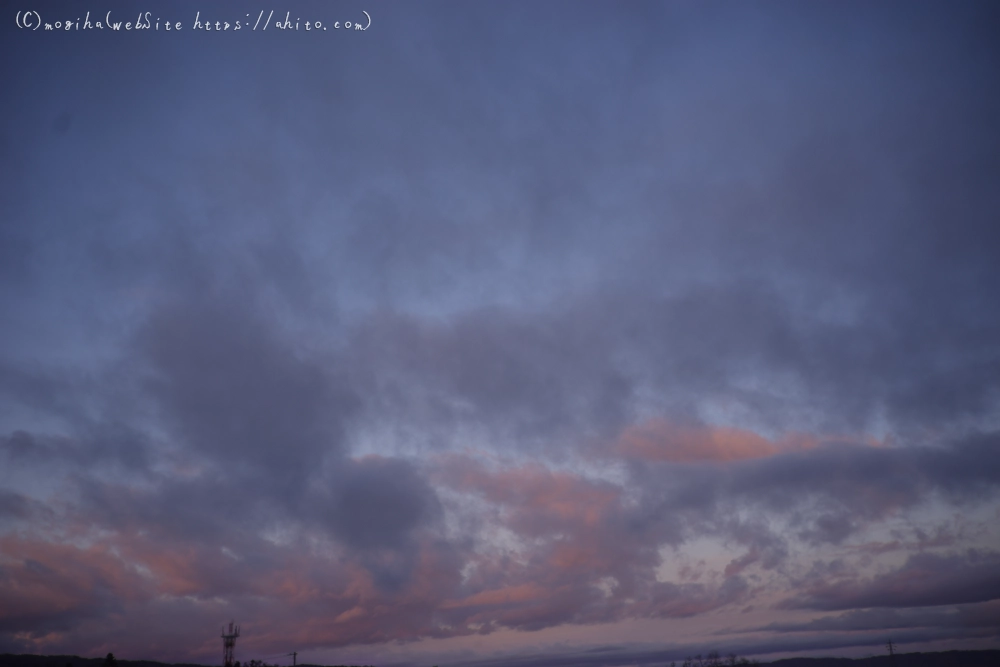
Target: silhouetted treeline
(261, 663)
(990, 658)
(713, 659)
(10, 660)
(943, 659)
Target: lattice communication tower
(228, 643)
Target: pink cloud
(661, 440)
(498, 597)
(539, 500)
(45, 578)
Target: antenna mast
(228, 643)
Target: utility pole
(293, 654)
(892, 653)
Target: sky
(582, 334)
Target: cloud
(826, 494)
(51, 586)
(659, 440)
(632, 654)
(638, 269)
(976, 615)
(234, 390)
(378, 506)
(582, 542)
(96, 444)
(926, 579)
(378, 502)
(496, 368)
(384, 566)
(14, 505)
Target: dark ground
(945, 659)
(10, 660)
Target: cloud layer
(486, 337)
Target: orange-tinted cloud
(661, 440)
(586, 551)
(498, 597)
(540, 499)
(42, 584)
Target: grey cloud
(582, 363)
(380, 508)
(53, 392)
(977, 615)
(926, 579)
(828, 491)
(496, 368)
(786, 248)
(671, 600)
(13, 504)
(612, 655)
(378, 503)
(534, 228)
(237, 392)
(98, 444)
(16, 507)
